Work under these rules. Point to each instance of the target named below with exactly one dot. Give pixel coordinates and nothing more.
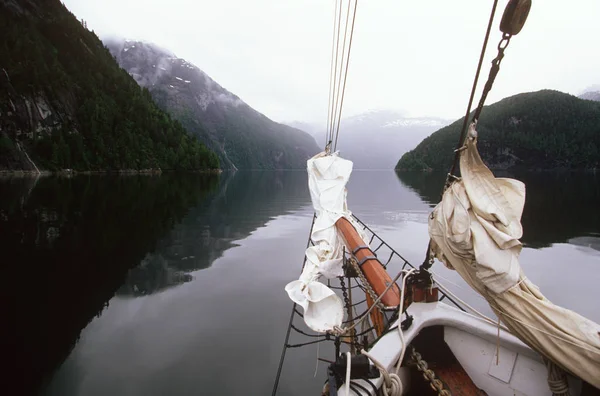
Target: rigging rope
(338, 71)
(335, 69)
(474, 88)
(346, 72)
(329, 103)
(287, 335)
(342, 61)
(337, 49)
(392, 383)
(428, 263)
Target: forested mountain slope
(66, 104)
(241, 136)
(537, 130)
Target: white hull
(473, 341)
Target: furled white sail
(327, 178)
(475, 230)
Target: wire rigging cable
(335, 43)
(339, 70)
(465, 122)
(331, 74)
(346, 71)
(342, 58)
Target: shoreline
(121, 172)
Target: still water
(145, 285)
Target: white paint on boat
(473, 341)
(516, 373)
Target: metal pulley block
(514, 16)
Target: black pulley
(514, 16)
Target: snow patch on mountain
(408, 122)
(136, 56)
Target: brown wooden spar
(370, 265)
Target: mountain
(590, 95)
(536, 130)
(241, 136)
(65, 102)
(373, 139)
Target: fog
(419, 57)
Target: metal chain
(348, 306)
(435, 383)
(493, 73)
(365, 282)
(344, 292)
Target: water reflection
(559, 207)
(73, 242)
(209, 295)
(171, 327)
(67, 244)
(243, 202)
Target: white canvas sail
(327, 178)
(476, 230)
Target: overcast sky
(416, 56)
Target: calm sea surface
(173, 284)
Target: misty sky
(416, 56)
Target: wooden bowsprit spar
(369, 264)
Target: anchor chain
(435, 383)
(348, 304)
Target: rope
(474, 88)
(348, 369)
(338, 69)
(557, 379)
(484, 317)
(475, 294)
(500, 311)
(339, 81)
(400, 332)
(330, 76)
(392, 383)
(338, 331)
(584, 347)
(463, 132)
(337, 47)
(346, 71)
(365, 282)
(287, 335)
